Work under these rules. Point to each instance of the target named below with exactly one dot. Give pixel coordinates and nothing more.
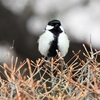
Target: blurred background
(24, 20)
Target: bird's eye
(52, 24)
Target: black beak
(57, 25)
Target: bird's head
(54, 24)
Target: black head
(54, 26)
(54, 23)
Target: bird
(53, 39)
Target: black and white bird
(54, 38)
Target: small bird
(53, 38)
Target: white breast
(44, 42)
(63, 43)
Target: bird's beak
(56, 26)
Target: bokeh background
(24, 20)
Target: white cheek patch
(61, 28)
(48, 27)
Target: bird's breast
(63, 43)
(44, 42)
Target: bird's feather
(63, 43)
(44, 42)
